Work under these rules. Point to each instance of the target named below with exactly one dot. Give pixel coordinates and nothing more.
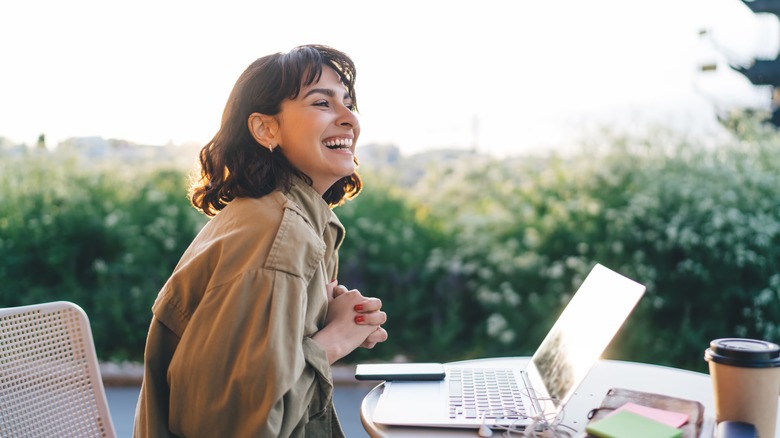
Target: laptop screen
(580, 335)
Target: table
(605, 374)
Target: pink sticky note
(674, 419)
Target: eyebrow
(326, 91)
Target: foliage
(105, 238)
(476, 258)
(393, 253)
(698, 224)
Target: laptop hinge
(534, 403)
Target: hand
(369, 313)
(342, 333)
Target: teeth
(338, 143)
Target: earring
(271, 147)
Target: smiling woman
(270, 107)
(245, 330)
(315, 131)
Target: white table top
(605, 374)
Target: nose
(347, 117)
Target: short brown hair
(232, 165)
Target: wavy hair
(232, 165)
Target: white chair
(50, 384)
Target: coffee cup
(746, 382)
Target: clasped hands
(352, 321)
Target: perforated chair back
(50, 384)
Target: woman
(245, 330)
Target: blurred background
(506, 147)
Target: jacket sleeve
(244, 366)
(151, 414)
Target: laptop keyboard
(476, 390)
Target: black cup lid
(740, 352)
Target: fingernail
(360, 318)
(358, 307)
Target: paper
(674, 419)
(626, 424)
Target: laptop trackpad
(415, 402)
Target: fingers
(343, 305)
(368, 312)
(330, 289)
(369, 305)
(334, 289)
(377, 336)
(372, 318)
(376, 318)
(340, 290)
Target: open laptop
(541, 389)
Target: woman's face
(318, 131)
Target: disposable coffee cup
(746, 382)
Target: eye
(322, 103)
(350, 106)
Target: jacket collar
(319, 213)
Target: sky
(503, 77)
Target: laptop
(541, 389)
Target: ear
(263, 128)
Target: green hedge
(103, 236)
(698, 224)
(477, 258)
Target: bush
(700, 227)
(391, 251)
(105, 238)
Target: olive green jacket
(229, 351)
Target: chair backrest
(50, 383)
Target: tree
(41, 144)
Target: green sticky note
(626, 424)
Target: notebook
(542, 388)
